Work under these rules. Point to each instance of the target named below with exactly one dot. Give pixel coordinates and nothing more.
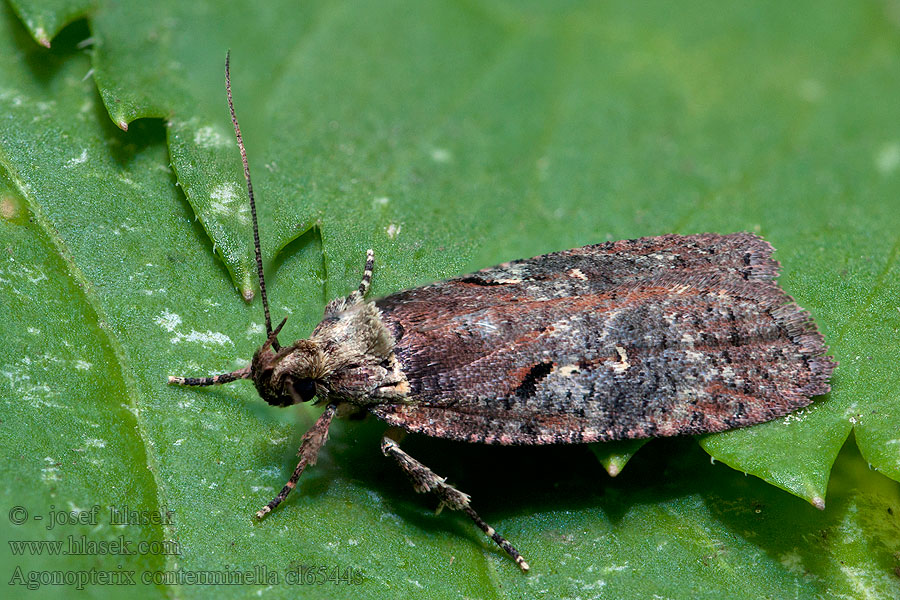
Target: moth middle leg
(426, 480)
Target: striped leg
(426, 480)
(214, 380)
(312, 441)
(359, 294)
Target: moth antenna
(270, 341)
(259, 264)
(214, 380)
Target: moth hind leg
(426, 480)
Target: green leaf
(448, 136)
(615, 455)
(69, 442)
(46, 18)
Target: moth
(649, 337)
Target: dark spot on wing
(528, 387)
(479, 281)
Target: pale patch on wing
(622, 366)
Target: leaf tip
(41, 37)
(818, 502)
(123, 125)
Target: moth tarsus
(648, 337)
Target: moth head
(289, 376)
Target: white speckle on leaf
(168, 320)
(393, 230)
(83, 365)
(33, 330)
(381, 200)
(796, 416)
(887, 159)
(124, 226)
(17, 270)
(77, 161)
(205, 338)
(869, 584)
(209, 137)
(50, 473)
(441, 155)
(94, 443)
(178, 442)
(24, 389)
(224, 192)
(226, 200)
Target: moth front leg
(312, 442)
(426, 480)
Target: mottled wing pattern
(637, 338)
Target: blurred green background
(448, 136)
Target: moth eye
(305, 388)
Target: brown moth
(650, 337)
